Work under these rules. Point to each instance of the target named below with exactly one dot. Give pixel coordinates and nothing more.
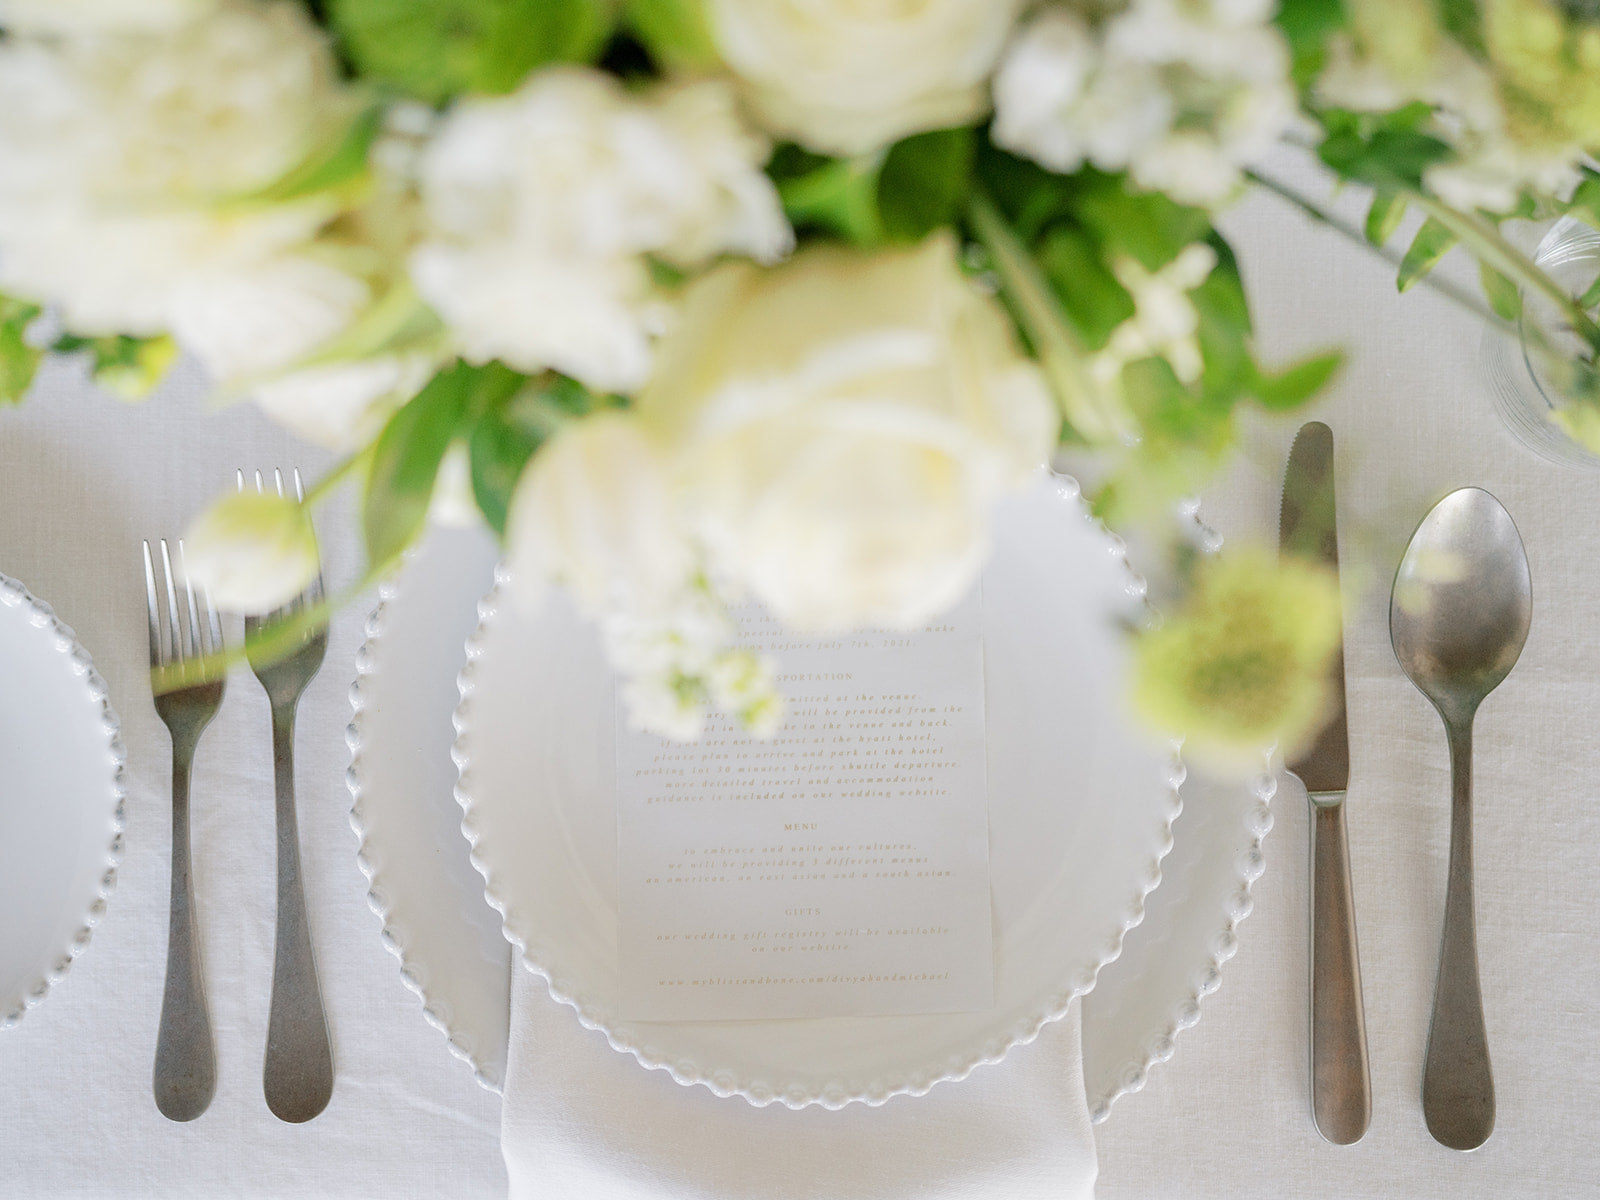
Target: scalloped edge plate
(430, 901)
(1071, 784)
(70, 746)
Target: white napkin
(582, 1121)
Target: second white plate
(452, 952)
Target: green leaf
(1503, 295)
(1384, 217)
(1433, 242)
(1146, 226)
(676, 32)
(19, 362)
(1585, 200)
(1090, 295)
(1591, 295)
(329, 166)
(499, 449)
(1306, 26)
(1292, 388)
(1388, 151)
(923, 182)
(836, 195)
(406, 458)
(436, 49)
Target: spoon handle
(1457, 1086)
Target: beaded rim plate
(61, 806)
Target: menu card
(839, 868)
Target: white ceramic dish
(1080, 805)
(448, 940)
(61, 796)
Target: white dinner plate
(1080, 803)
(448, 940)
(61, 793)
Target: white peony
(851, 76)
(842, 426)
(343, 405)
(1181, 94)
(541, 207)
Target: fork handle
(185, 1076)
(298, 1073)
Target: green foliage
(436, 49)
(507, 435)
(1433, 242)
(924, 182)
(833, 196)
(675, 32)
(1091, 298)
(1388, 151)
(1384, 217)
(18, 360)
(1504, 297)
(1306, 25)
(1293, 387)
(406, 458)
(329, 166)
(127, 367)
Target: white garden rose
(595, 511)
(540, 208)
(842, 426)
(850, 76)
(118, 155)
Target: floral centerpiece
(700, 301)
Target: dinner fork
(298, 1073)
(186, 697)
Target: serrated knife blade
(1341, 1084)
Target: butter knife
(1341, 1085)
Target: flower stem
(1094, 417)
(1321, 215)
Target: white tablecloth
(82, 478)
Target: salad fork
(298, 1072)
(186, 698)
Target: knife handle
(1341, 1085)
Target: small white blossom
(1165, 321)
(1180, 93)
(541, 207)
(79, 17)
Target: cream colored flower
(542, 205)
(118, 156)
(1245, 663)
(342, 405)
(252, 552)
(1179, 93)
(841, 427)
(850, 76)
(595, 510)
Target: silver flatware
(1341, 1082)
(297, 1075)
(1458, 618)
(187, 696)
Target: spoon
(1458, 617)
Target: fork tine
(151, 607)
(277, 478)
(213, 624)
(174, 634)
(299, 492)
(260, 488)
(238, 478)
(194, 616)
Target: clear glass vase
(1526, 383)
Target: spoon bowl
(1458, 617)
(1462, 602)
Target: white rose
(541, 205)
(842, 426)
(595, 511)
(116, 151)
(850, 76)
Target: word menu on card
(838, 868)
